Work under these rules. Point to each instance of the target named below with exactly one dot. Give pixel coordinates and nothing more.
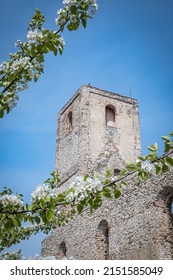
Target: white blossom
(62, 42)
(18, 44)
(4, 67)
(62, 13)
(73, 18)
(11, 199)
(43, 191)
(16, 255)
(66, 2)
(82, 187)
(12, 255)
(149, 167)
(113, 179)
(38, 257)
(34, 35)
(22, 62)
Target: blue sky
(126, 48)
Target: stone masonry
(99, 130)
(87, 143)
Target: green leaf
(10, 94)
(124, 183)
(42, 204)
(138, 164)
(169, 160)
(98, 201)
(166, 138)
(60, 198)
(61, 27)
(167, 147)
(31, 220)
(73, 9)
(107, 193)
(1, 112)
(84, 23)
(151, 148)
(171, 133)
(117, 193)
(80, 208)
(15, 222)
(108, 173)
(37, 219)
(39, 48)
(164, 168)
(9, 224)
(123, 171)
(40, 58)
(50, 215)
(142, 158)
(55, 51)
(158, 169)
(44, 219)
(36, 77)
(131, 166)
(85, 177)
(95, 203)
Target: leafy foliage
(51, 208)
(27, 64)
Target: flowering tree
(27, 63)
(49, 207)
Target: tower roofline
(102, 92)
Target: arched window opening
(110, 116)
(171, 207)
(70, 121)
(102, 241)
(169, 202)
(62, 250)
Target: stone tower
(99, 130)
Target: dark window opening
(169, 202)
(102, 241)
(116, 172)
(70, 121)
(171, 207)
(62, 249)
(110, 116)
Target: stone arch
(102, 241)
(169, 202)
(110, 115)
(165, 220)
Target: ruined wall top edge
(101, 92)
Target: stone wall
(139, 226)
(136, 226)
(91, 144)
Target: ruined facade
(99, 130)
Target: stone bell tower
(97, 130)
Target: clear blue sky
(126, 48)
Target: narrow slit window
(102, 241)
(110, 116)
(62, 249)
(70, 121)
